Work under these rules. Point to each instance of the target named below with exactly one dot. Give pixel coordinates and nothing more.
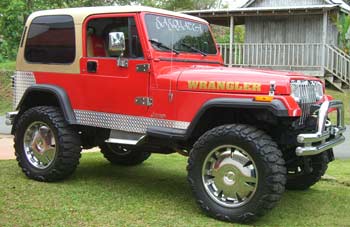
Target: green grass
(5, 92)
(7, 66)
(345, 97)
(155, 193)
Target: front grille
(304, 91)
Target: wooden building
(297, 35)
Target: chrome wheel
(229, 176)
(39, 145)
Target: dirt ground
(6, 147)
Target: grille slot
(305, 94)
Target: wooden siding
(273, 3)
(288, 29)
(332, 33)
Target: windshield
(179, 34)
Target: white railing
(341, 52)
(274, 55)
(289, 56)
(337, 63)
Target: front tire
(125, 155)
(46, 147)
(236, 172)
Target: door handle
(92, 66)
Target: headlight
(306, 91)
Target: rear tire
(236, 172)
(46, 147)
(298, 180)
(123, 154)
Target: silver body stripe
(21, 81)
(124, 122)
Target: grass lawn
(5, 91)
(345, 97)
(155, 193)
(7, 66)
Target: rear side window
(50, 40)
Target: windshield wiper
(194, 49)
(161, 45)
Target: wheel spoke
(248, 179)
(50, 153)
(239, 198)
(248, 163)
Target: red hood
(235, 80)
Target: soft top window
(51, 39)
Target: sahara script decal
(177, 25)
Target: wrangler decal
(223, 85)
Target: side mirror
(116, 41)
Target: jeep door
(114, 80)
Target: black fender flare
(59, 93)
(276, 107)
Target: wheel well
(38, 98)
(46, 95)
(216, 116)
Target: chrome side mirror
(116, 41)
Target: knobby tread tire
(319, 165)
(271, 186)
(68, 144)
(135, 157)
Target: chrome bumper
(10, 117)
(315, 143)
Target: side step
(122, 137)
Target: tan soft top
(79, 14)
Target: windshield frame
(189, 52)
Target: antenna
(171, 95)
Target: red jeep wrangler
(136, 80)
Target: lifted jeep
(137, 80)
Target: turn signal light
(264, 98)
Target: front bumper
(327, 136)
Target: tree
(178, 5)
(343, 25)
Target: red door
(110, 87)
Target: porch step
(336, 85)
(329, 78)
(345, 86)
